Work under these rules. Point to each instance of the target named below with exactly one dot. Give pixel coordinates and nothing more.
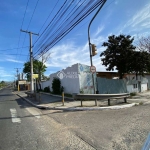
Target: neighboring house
(136, 85)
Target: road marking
(34, 112)
(14, 117)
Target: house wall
(148, 78)
(143, 87)
(85, 79)
(130, 89)
(69, 79)
(74, 79)
(45, 84)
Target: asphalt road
(23, 127)
(123, 129)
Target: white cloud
(139, 21)
(13, 60)
(4, 75)
(65, 55)
(99, 30)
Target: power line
(70, 21)
(33, 14)
(22, 24)
(45, 22)
(49, 15)
(50, 22)
(13, 54)
(29, 22)
(13, 48)
(17, 70)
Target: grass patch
(141, 103)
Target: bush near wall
(56, 86)
(47, 89)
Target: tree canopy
(118, 51)
(38, 68)
(120, 54)
(139, 63)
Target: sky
(129, 17)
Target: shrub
(132, 94)
(56, 86)
(47, 89)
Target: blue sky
(116, 17)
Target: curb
(40, 107)
(77, 108)
(56, 95)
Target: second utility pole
(31, 59)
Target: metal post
(31, 58)
(39, 97)
(125, 100)
(63, 98)
(90, 41)
(108, 102)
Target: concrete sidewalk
(49, 101)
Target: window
(134, 86)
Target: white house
(74, 79)
(136, 85)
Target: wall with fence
(111, 86)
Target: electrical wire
(67, 24)
(29, 23)
(77, 15)
(22, 25)
(13, 48)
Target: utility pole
(17, 70)
(31, 58)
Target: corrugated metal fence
(111, 86)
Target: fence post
(108, 102)
(63, 98)
(96, 102)
(125, 100)
(39, 97)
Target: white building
(136, 85)
(74, 79)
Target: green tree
(118, 51)
(2, 83)
(38, 68)
(139, 63)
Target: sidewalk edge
(77, 108)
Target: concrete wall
(85, 79)
(111, 86)
(130, 89)
(45, 84)
(69, 79)
(144, 87)
(148, 78)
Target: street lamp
(90, 45)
